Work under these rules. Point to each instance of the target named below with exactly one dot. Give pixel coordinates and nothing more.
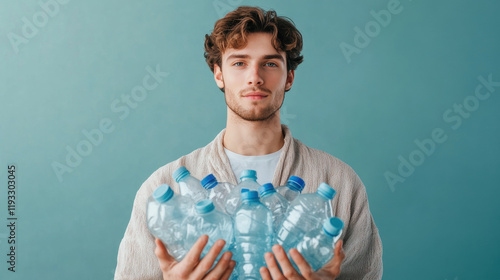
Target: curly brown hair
(231, 32)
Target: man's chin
(257, 117)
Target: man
(253, 55)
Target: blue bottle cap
(249, 195)
(163, 193)
(333, 226)
(204, 206)
(209, 182)
(297, 183)
(180, 173)
(326, 191)
(248, 174)
(244, 190)
(266, 188)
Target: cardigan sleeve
(136, 258)
(362, 243)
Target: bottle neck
(248, 179)
(183, 178)
(203, 214)
(267, 193)
(330, 236)
(323, 196)
(252, 200)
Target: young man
(253, 55)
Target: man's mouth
(255, 95)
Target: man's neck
(253, 138)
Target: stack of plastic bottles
(250, 224)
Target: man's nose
(255, 76)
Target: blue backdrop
(96, 95)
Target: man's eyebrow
(269, 56)
(237, 56)
(273, 56)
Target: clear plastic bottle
(248, 181)
(306, 213)
(275, 202)
(165, 213)
(253, 234)
(233, 200)
(189, 185)
(292, 189)
(217, 192)
(207, 220)
(318, 247)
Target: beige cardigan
(362, 244)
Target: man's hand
(331, 270)
(191, 267)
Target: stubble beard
(252, 115)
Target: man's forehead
(258, 45)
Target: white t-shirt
(264, 165)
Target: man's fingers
(192, 258)
(273, 270)
(338, 258)
(229, 270)
(339, 250)
(208, 260)
(165, 260)
(333, 266)
(302, 264)
(264, 273)
(286, 266)
(221, 267)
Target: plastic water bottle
(306, 213)
(189, 185)
(248, 181)
(233, 201)
(318, 248)
(217, 192)
(207, 220)
(165, 214)
(292, 189)
(275, 202)
(253, 234)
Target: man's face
(254, 78)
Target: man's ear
(219, 80)
(289, 80)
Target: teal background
(441, 222)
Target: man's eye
(271, 64)
(238, 64)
